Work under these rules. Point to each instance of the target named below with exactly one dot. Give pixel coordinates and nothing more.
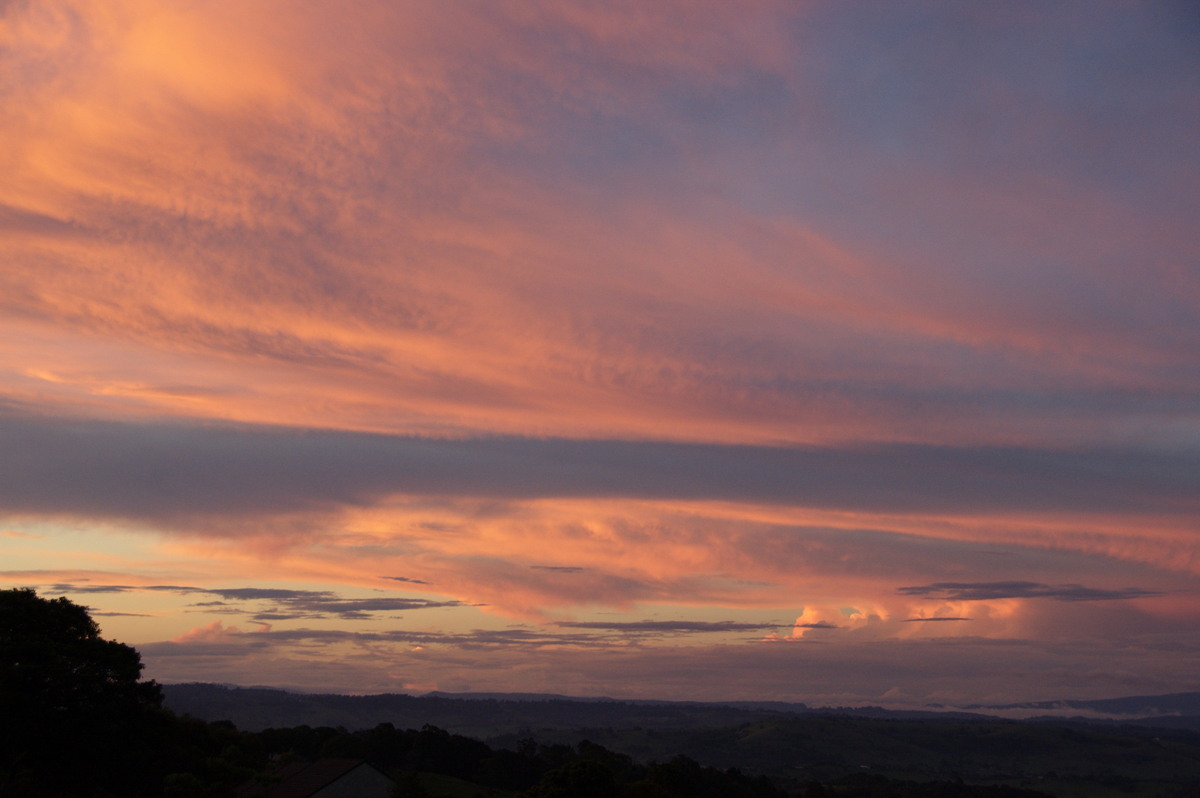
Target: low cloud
(215, 632)
(939, 618)
(577, 635)
(669, 627)
(74, 588)
(475, 639)
(586, 636)
(363, 608)
(290, 604)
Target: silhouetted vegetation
(76, 720)
(73, 709)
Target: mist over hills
(1170, 711)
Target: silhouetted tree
(75, 717)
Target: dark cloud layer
(660, 627)
(984, 591)
(157, 471)
(290, 604)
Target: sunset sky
(839, 352)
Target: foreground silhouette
(75, 717)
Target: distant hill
(483, 716)
(491, 715)
(789, 742)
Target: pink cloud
(217, 633)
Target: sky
(835, 352)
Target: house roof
(302, 779)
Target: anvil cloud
(493, 344)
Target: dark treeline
(583, 770)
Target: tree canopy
(64, 688)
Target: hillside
(792, 744)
